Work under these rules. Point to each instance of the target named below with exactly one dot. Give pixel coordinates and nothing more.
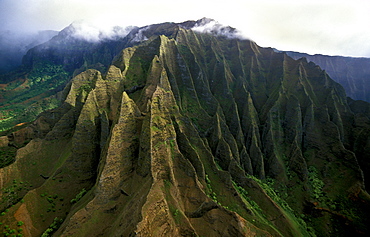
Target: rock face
(352, 73)
(191, 134)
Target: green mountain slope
(193, 134)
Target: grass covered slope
(191, 134)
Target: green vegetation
(78, 196)
(316, 183)
(13, 232)
(20, 223)
(47, 72)
(155, 128)
(51, 201)
(210, 191)
(268, 187)
(53, 227)
(246, 197)
(13, 194)
(233, 108)
(167, 185)
(7, 155)
(26, 109)
(13, 85)
(23, 102)
(172, 148)
(176, 214)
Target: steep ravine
(191, 134)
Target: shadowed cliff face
(352, 73)
(190, 134)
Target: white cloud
(85, 31)
(140, 35)
(316, 26)
(214, 27)
(326, 27)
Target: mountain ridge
(351, 72)
(190, 133)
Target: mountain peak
(192, 23)
(204, 21)
(209, 25)
(88, 32)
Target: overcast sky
(312, 26)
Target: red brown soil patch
(22, 214)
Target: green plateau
(182, 134)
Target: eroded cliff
(191, 134)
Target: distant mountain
(352, 73)
(181, 129)
(13, 46)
